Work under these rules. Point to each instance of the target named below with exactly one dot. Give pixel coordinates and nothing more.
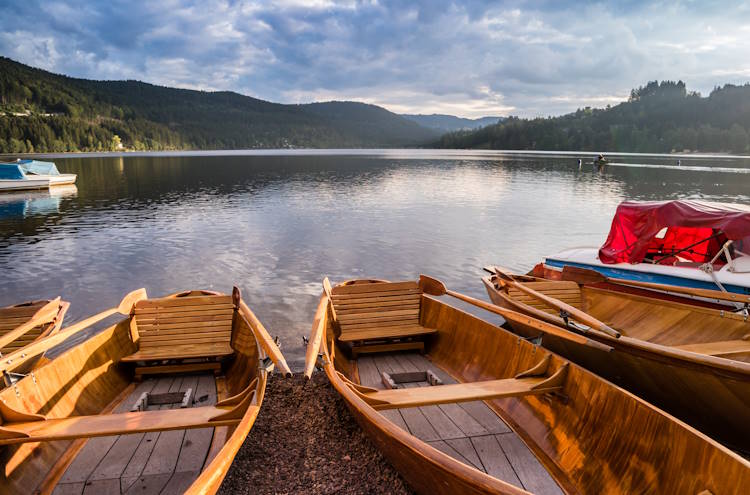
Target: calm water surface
(276, 224)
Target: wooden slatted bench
(724, 348)
(568, 292)
(183, 328)
(378, 317)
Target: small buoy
(580, 164)
(679, 163)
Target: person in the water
(600, 162)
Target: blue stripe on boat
(656, 278)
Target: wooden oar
(265, 340)
(435, 287)
(45, 314)
(591, 276)
(316, 336)
(576, 313)
(22, 355)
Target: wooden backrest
(12, 317)
(566, 291)
(382, 304)
(184, 320)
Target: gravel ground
(306, 441)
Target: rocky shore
(305, 441)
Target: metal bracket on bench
(266, 364)
(391, 380)
(149, 399)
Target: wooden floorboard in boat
(150, 463)
(469, 432)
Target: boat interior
(146, 406)
(687, 324)
(491, 401)
(469, 432)
(48, 314)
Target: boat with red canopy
(681, 243)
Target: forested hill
(657, 118)
(41, 111)
(448, 123)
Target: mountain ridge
(45, 112)
(449, 123)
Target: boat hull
(661, 274)
(62, 179)
(710, 393)
(584, 435)
(23, 184)
(91, 379)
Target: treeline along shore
(660, 117)
(45, 112)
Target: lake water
(276, 223)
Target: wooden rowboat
(509, 417)
(688, 357)
(22, 324)
(157, 403)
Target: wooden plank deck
(469, 431)
(144, 463)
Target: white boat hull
(60, 180)
(21, 184)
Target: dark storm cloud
(469, 58)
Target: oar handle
(265, 339)
(532, 322)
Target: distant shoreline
(403, 153)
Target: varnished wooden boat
(510, 416)
(157, 403)
(22, 324)
(689, 357)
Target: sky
(470, 59)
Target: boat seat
(185, 351)
(723, 348)
(565, 291)
(377, 317)
(532, 382)
(180, 328)
(20, 427)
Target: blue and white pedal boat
(681, 243)
(31, 174)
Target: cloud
(471, 59)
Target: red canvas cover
(636, 225)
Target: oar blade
(316, 337)
(431, 286)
